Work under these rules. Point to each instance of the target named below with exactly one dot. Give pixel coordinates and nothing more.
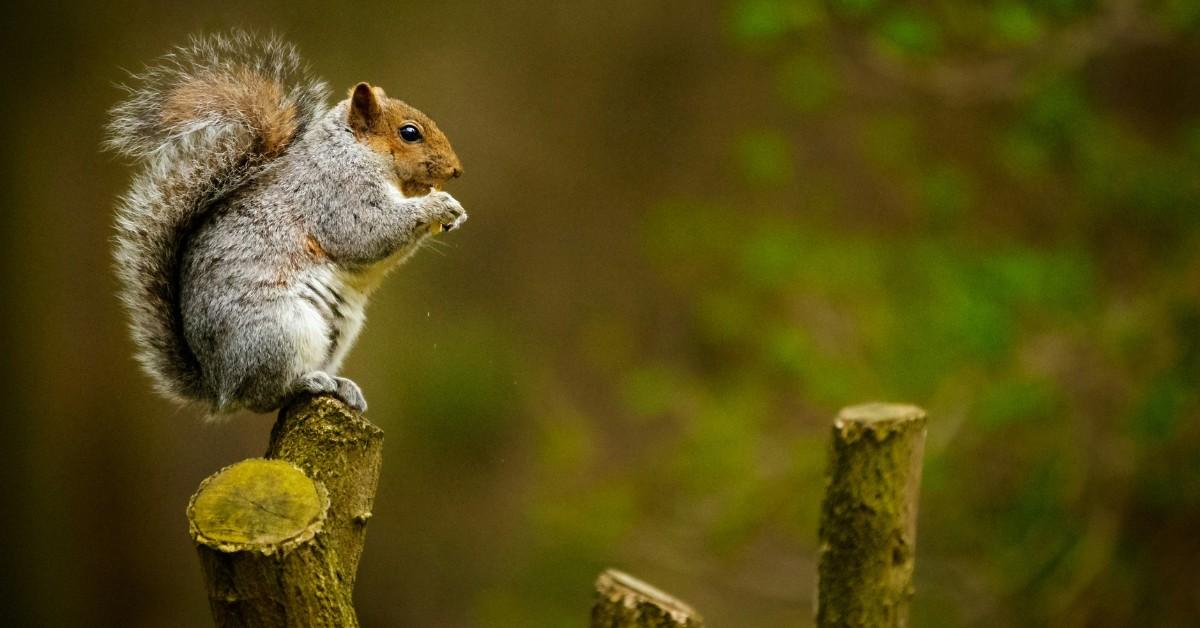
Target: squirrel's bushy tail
(202, 121)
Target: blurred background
(697, 231)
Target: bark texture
(341, 449)
(258, 529)
(869, 516)
(623, 601)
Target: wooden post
(868, 527)
(280, 538)
(623, 601)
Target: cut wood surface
(623, 601)
(868, 529)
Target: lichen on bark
(344, 451)
(869, 516)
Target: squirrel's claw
(320, 382)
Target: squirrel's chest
(331, 312)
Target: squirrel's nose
(455, 173)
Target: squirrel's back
(202, 122)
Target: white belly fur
(315, 322)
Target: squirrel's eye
(410, 133)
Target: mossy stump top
(257, 505)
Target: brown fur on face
(376, 121)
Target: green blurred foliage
(1032, 281)
(765, 158)
(696, 233)
(910, 33)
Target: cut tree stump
(623, 601)
(257, 525)
(868, 531)
(280, 538)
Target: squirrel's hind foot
(320, 382)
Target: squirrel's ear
(365, 109)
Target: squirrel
(262, 219)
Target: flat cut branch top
(626, 602)
(257, 504)
(877, 419)
(877, 411)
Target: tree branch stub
(344, 451)
(623, 601)
(868, 528)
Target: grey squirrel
(262, 219)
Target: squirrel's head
(411, 142)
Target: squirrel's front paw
(445, 213)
